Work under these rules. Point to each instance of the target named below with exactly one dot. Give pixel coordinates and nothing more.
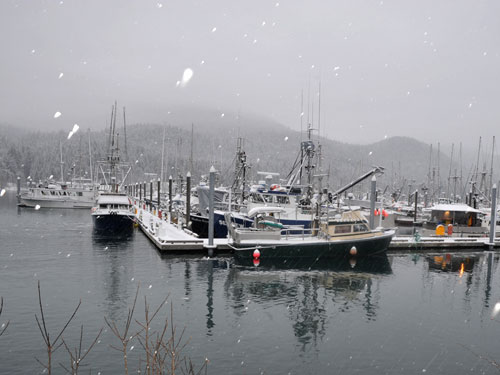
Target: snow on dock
(169, 237)
(441, 243)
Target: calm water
(399, 314)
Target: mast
(90, 161)
(62, 163)
(125, 134)
(191, 155)
(476, 171)
(110, 129)
(429, 169)
(438, 171)
(461, 169)
(319, 110)
(301, 112)
(449, 173)
(491, 165)
(162, 154)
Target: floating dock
(168, 237)
(441, 243)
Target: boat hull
(199, 224)
(316, 249)
(113, 223)
(48, 203)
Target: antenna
(125, 134)
(319, 111)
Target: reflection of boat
(377, 264)
(346, 233)
(452, 262)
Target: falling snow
(57, 114)
(73, 131)
(186, 77)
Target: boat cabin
(456, 214)
(346, 223)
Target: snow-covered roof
(457, 207)
(264, 209)
(107, 198)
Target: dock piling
(211, 211)
(493, 218)
(151, 195)
(170, 199)
(188, 200)
(18, 180)
(372, 201)
(159, 193)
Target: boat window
(268, 198)
(103, 206)
(339, 229)
(283, 200)
(257, 198)
(52, 193)
(360, 228)
(79, 193)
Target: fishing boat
(59, 195)
(344, 233)
(80, 192)
(113, 211)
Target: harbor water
(392, 314)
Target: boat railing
(295, 230)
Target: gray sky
(426, 68)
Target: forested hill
(270, 147)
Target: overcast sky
(425, 68)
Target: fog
(424, 69)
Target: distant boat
(59, 195)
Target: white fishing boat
(58, 195)
(113, 211)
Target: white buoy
(353, 250)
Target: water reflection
(117, 251)
(465, 266)
(308, 288)
(452, 262)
